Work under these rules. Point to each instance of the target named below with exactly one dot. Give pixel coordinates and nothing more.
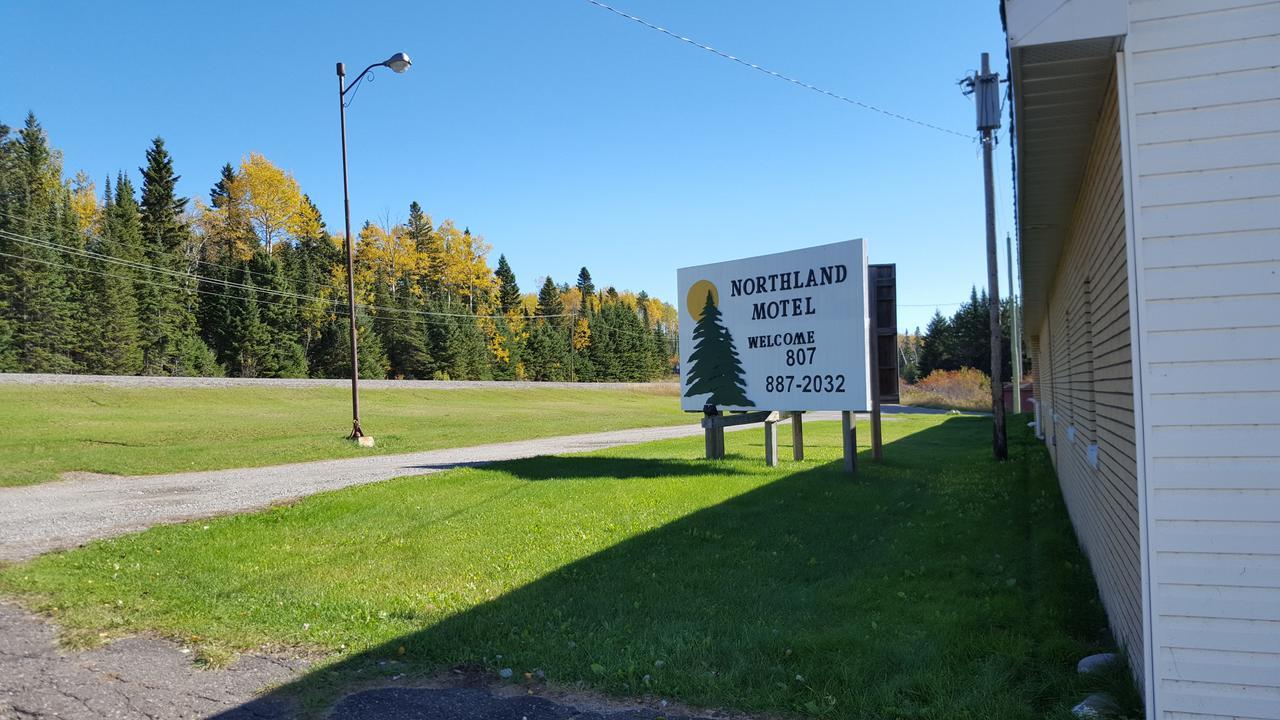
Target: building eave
(1058, 89)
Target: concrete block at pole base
(365, 441)
(1097, 705)
(1096, 663)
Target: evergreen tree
(585, 286)
(510, 338)
(279, 314)
(309, 264)
(633, 345)
(653, 354)
(472, 361)
(619, 345)
(221, 190)
(971, 334)
(8, 204)
(39, 309)
(169, 328)
(550, 304)
(333, 350)
(160, 205)
(547, 355)
(715, 369)
(548, 352)
(373, 357)
(428, 242)
(419, 226)
(602, 362)
(250, 337)
(937, 352)
(217, 251)
(111, 342)
(79, 280)
(403, 333)
(508, 290)
(458, 346)
(660, 354)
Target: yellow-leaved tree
(465, 272)
(272, 200)
(385, 257)
(85, 205)
(581, 334)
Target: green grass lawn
(54, 429)
(934, 585)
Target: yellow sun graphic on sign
(696, 300)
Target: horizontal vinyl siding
(1085, 382)
(1204, 126)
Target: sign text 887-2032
(804, 383)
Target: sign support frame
(873, 366)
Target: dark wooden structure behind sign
(883, 280)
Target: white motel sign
(786, 331)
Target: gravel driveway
(35, 519)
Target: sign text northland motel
(786, 331)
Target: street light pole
(356, 431)
(398, 63)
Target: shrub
(963, 389)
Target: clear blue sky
(564, 134)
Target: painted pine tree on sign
(714, 364)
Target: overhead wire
(85, 252)
(338, 306)
(208, 263)
(338, 311)
(778, 75)
(26, 239)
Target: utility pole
(986, 89)
(1015, 345)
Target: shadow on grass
(937, 584)
(611, 468)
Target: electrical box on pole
(986, 90)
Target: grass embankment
(934, 585)
(137, 431)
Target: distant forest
(960, 341)
(132, 279)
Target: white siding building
(1147, 137)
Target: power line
(50, 245)
(778, 75)
(436, 317)
(26, 239)
(154, 253)
(84, 252)
(333, 303)
(131, 278)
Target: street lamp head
(398, 62)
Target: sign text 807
(804, 383)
